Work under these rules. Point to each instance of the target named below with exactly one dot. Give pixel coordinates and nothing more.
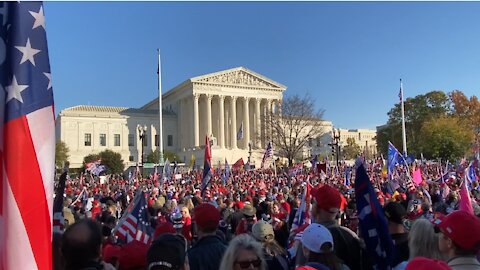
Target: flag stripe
(19, 254)
(42, 129)
(33, 206)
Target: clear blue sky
(348, 55)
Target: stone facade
(216, 104)
(365, 138)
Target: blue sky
(349, 56)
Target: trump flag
(27, 145)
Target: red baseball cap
(462, 228)
(133, 255)
(206, 215)
(422, 263)
(163, 228)
(327, 198)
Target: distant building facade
(365, 138)
(216, 104)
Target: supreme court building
(216, 104)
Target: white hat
(314, 236)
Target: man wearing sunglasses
(459, 239)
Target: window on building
(145, 140)
(103, 139)
(157, 142)
(169, 140)
(88, 139)
(130, 158)
(131, 140)
(116, 139)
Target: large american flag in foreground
(27, 141)
(135, 224)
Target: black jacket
(207, 253)
(347, 246)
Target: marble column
(258, 124)
(233, 127)
(209, 115)
(246, 127)
(221, 100)
(268, 129)
(195, 121)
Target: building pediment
(239, 77)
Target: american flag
(135, 223)
(302, 216)
(372, 222)
(27, 149)
(268, 154)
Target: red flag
(27, 149)
(238, 164)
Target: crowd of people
(258, 219)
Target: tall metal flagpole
(160, 129)
(404, 136)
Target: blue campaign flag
(372, 222)
(348, 171)
(394, 157)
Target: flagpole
(160, 131)
(404, 136)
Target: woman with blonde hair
(243, 252)
(422, 242)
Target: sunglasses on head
(246, 264)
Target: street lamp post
(336, 142)
(142, 132)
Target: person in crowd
(237, 216)
(187, 223)
(249, 218)
(326, 202)
(422, 263)
(243, 252)
(278, 219)
(168, 252)
(459, 239)
(275, 255)
(81, 245)
(318, 248)
(422, 242)
(395, 214)
(207, 252)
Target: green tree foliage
(417, 110)
(427, 108)
(153, 157)
(171, 156)
(445, 137)
(61, 154)
(112, 160)
(351, 150)
(91, 158)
